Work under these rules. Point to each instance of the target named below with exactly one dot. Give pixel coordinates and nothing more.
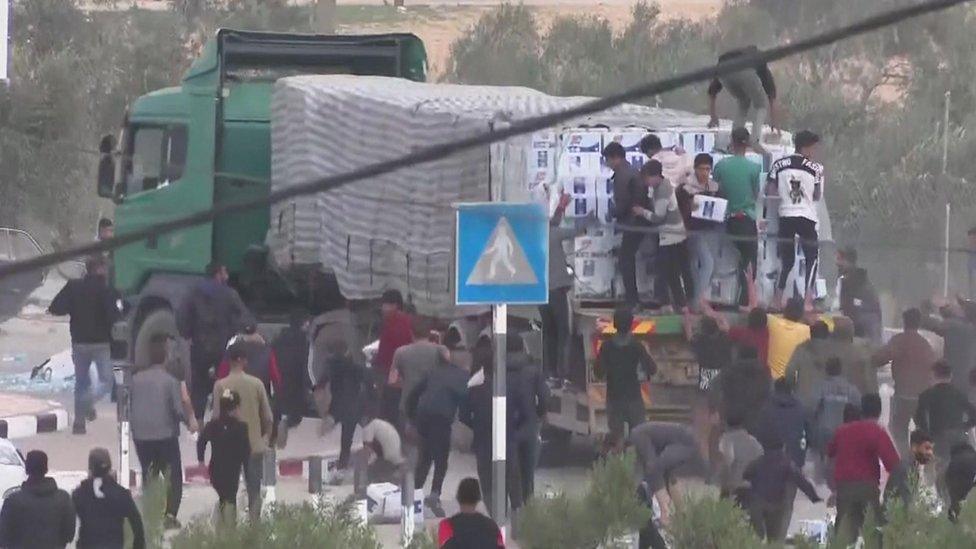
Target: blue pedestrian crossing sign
(501, 254)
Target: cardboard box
(698, 142)
(581, 152)
(594, 264)
(604, 209)
(582, 192)
(383, 502)
(710, 208)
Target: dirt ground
(440, 22)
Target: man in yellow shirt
(786, 333)
(255, 412)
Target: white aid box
(698, 142)
(582, 192)
(581, 152)
(710, 208)
(383, 502)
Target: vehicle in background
(12, 472)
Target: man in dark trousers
(255, 412)
(476, 413)
(156, 414)
(783, 419)
(209, 316)
(469, 529)
(432, 407)
(230, 451)
(92, 305)
(103, 508)
(911, 357)
(946, 415)
(555, 314)
(753, 89)
(523, 371)
(628, 191)
(39, 515)
(619, 360)
(291, 348)
(857, 448)
(960, 476)
(774, 479)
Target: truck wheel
(158, 321)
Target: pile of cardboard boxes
(571, 161)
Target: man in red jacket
(395, 332)
(857, 448)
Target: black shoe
(92, 415)
(78, 429)
(171, 523)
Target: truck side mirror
(106, 167)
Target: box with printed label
(698, 142)
(582, 192)
(383, 502)
(710, 208)
(581, 152)
(594, 264)
(604, 209)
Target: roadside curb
(290, 468)
(28, 425)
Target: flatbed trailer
(579, 407)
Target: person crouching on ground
(230, 451)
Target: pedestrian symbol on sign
(503, 261)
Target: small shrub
(711, 523)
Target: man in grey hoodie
(555, 314)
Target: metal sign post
(4, 36)
(499, 419)
(501, 258)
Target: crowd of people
(798, 391)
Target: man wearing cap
(39, 515)
(753, 89)
(255, 412)
(739, 182)
(797, 182)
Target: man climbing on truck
(753, 89)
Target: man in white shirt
(381, 457)
(797, 182)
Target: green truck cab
(206, 142)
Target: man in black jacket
(618, 362)
(858, 298)
(432, 407)
(523, 371)
(628, 191)
(39, 515)
(946, 415)
(103, 507)
(209, 316)
(93, 308)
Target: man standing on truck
(797, 181)
(628, 192)
(555, 314)
(209, 316)
(739, 182)
(91, 304)
(618, 362)
(753, 89)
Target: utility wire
(517, 128)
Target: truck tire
(158, 321)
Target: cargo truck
(261, 111)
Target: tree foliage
(877, 100)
